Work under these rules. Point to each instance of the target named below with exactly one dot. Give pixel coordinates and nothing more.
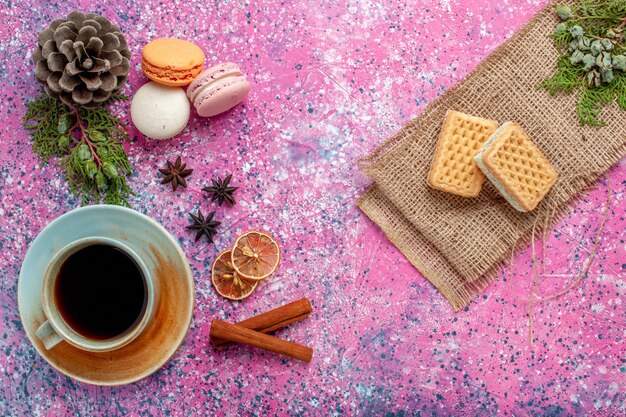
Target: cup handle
(48, 335)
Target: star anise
(204, 225)
(221, 191)
(175, 173)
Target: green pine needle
(620, 90)
(566, 79)
(596, 17)
(87, 145)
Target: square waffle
(453, 169)
(517, 168)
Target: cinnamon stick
(235, 333)
(273, 319)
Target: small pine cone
(82, 60)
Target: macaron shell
(176, 54)
(158, 111)
(222, 97)
(172, 61)
(210, 75)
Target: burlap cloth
(457, 243)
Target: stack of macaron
(160, 109)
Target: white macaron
(159, 111)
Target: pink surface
(330, 80)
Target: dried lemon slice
(227, 281)
(255, 255)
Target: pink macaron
(218, 89)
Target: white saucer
(164, 259)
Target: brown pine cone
(82, 60)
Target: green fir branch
(620, 90)
(87, 143)
(596, 16)
(590, 105)
(42, 120)
(600, 83)
(562, 39)
(565, 80)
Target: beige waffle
(517, 168)
(453, 168)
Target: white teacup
(55, 329)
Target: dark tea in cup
(100, 292)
